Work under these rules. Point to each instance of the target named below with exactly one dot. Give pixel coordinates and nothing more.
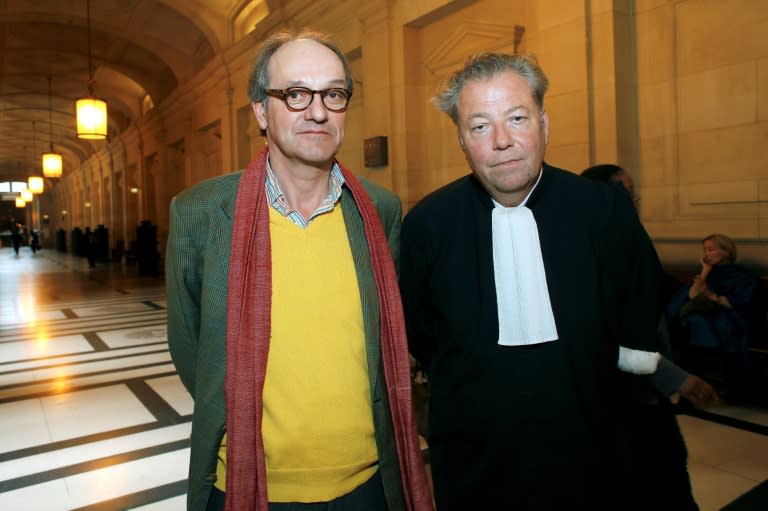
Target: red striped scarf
(248, 333)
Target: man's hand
(698, 392)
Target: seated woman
(712, 311)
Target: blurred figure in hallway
(34, 242)
(89, 246)
(16, 235)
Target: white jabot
(522, 297)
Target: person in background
(712, 311)
(291, 261)
(610, 173)
(661, 456)
(16, 236)
(669, 379)
(526, 290)
(90, 246)
(34, 243)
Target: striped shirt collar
(276, 196)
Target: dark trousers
(369, 497)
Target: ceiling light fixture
(51, 160)
(91, 111)
(35, 184)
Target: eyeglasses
(298, 99)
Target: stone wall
(676, 91)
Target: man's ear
(261, 113)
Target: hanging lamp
(51, 160)
(91, 111)
(35, 184)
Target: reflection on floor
(93, 416)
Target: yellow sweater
(318, 424)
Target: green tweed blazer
(197, 268)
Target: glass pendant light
(91, 111)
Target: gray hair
(484, 66)
(258, 82)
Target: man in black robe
(527, 290)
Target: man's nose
(502, 139)
(316, 109)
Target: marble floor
(93, 416)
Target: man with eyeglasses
(284, 315)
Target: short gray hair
(484, 66)
(258, 82)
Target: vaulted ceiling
(140, 51)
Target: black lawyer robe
(529, 427)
